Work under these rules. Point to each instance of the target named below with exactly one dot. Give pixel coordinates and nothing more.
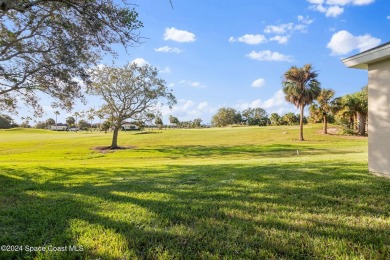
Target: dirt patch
(331, 131)
(108, 149)
(334, 131)
(148, 133)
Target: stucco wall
(379, 117)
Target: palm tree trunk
(114, 143)
(362, 124)
(301, 124)
(355, 121)
(325, 123)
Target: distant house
(128, 126)
(59, 127)
(377, 62)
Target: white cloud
(186, 104)
(252, 39)
(188, 110)
(279, 29)
(334, 8)
(274, 104)
(276, 100)
(304, 20)
(388, 17)
(282, 32)
(203, 106)
(349, 2)
(178, 35)
(194, 84)
(140, 61)
(343, 42)
(166, 70)
(287, 28)
(280, 39)
(317, 2)
(168, 49)
(268, 55)
(334, 11)
(258, 83)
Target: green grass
(235, 193)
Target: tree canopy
(324, 102)
(255, 116)
(48, 45)
(6, 122)
(131, 91)
(226, 116)
(301, 87)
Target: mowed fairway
(235, 193)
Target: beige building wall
(379, 117)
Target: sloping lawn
(230, 193)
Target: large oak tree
(129, 92)
(47, 46)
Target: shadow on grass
(273, 150)
(204, 211)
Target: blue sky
(230, 53)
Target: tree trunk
(114, 144)
(362, 124)
(355, 121)
(301, 124)
(325, 123)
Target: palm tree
(100, 115)
(56, 113)
(76, 115)
(357, 104)
(301, 87)
(91, 115)
(323, 100)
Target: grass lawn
(235, 193)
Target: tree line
(301, 88)
(54, 47)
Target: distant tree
(275, 119)
(91, 115)
(100, 115)
(41, 125)
(77, 116)
(159, 122)
(47, 46)
(26, 122)
(255, 116)
(6, 122)
(150, 117)
(50, 121)
(70, 121)
(197, 122)
(129, 92)
(290, 118)
(357, 104)
(56, 113)
(324, 101)
(301, 87)
(173, 120)
(343, 115)
(315, 115)
(106, 126)
(226, 116)
(84, 125)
